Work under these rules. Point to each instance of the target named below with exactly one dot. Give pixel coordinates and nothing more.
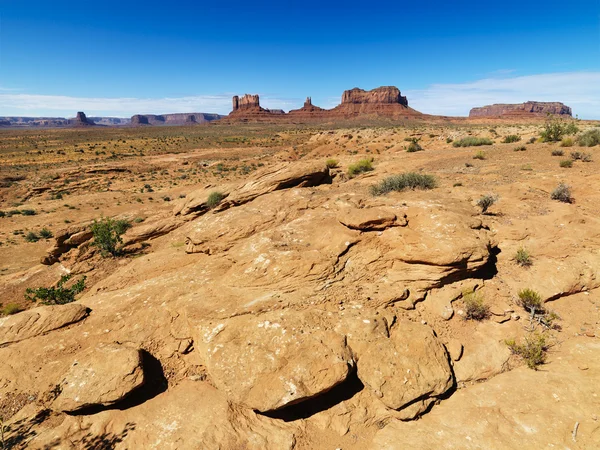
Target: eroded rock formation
(525, 109)
(81, 120)
(173, 119)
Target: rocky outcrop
(246, 102)
(4, 123)
(308, 110)
(81, 120)
(522, 109)
(173, 119)
(380, 96)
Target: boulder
(40, 320)
(65, 240)
(269, 361)
(369, 219)
(103, 375)
(410, 370)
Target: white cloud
(579, 90)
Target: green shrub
(532, 351)
(576, 155)
(523, 258)
(331, 163)
(414, 145)
(32, 237)
(485, 201)
(364, 165)
(475, 307)
(409, 180)
(520, 148)
(557, 152)
(10, 309)
(472, 141)
(531, 301)
(107, 235)
(555, 129)
(28, 212)
(566, 142)
(58, 295)
(45, 233)
(590, 138)
(2, 214)
(562, 193)
(214, 198)
(449, 140)
(511, 138)
(531, 140)
(566, 163)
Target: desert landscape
(361, 277)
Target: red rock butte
(522, 109)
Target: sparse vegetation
(475, 306)
(45, 233)
(364, 165)
(523, 257)
(532, 350)
(32, 237)
(531, 301)
(10, 309)
(562, 193)
(472, 141)
(214, 198)
(566, 163)
(56, 295)
(531, 140)
(567, 142)
(520, 148)
(555, 129)
(409, 180)
(332, 163)
(511, 138)
(557, 152)
(589, 138)
(107, 235)
(485, 201)
(414, 146)
(479, 155)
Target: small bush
(531, 301)
(32, 237)
(479, 155)
(533, 350)
(414, 147)
(10, 309)
(58, 295)
(511, 138)
(523, 257)
(449, 140)
(28, 212)
(566, 163)
(590, 138)
(486, 201)
(576, 155)
(586, 157)
(45, 233)
(107, 235)
(472, 141)
(567, 142)
(520, 148)
(557, 152)
(2, 214)
(531, 140)
(331, 163)
(475, 307)
(214, 198)
(562, 193)
(410, 180)
(555, 129)
(364, 165)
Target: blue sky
(121, 58)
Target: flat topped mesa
(81, 120)
(380, 95)
(248, 101)
(522, 109)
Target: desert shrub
(523, 257)
(2, 214)
(10, 309)
(472, 141)
(520, 148)
(532, 350)
(531, 140)
(449, 140)
(56, 295)
(414, 146)
(485, 201)
(138, 220)
(562, 193)
(555, 129)
(557, 152)
(479, 155)
(475, 307)
(107, 235)
(590, 138)
(28, 212)
(214, 198)
(576, 155)
(364, 165)
(566, 163)
(32, 237)
(45, 233)
(531, 301)
(409, 180)
(331, 163)
(511, 138)
(567, 142)
(586, 157)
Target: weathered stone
(527, 108)
(369, 219)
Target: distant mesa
(81, 121)
(4, 123)
(522, 109)
(173, 119)
(249, 105)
